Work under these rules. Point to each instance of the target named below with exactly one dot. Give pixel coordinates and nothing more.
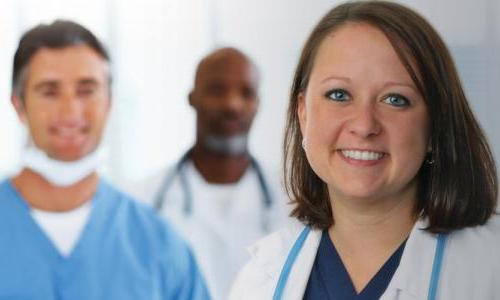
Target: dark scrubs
(329, 278)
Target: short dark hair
(460, 189)
(59, 34)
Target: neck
(367, 234)
(219, 168)
(41, 194)
(386, 222)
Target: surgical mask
(60, 173)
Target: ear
(20, 108)
(191, 98)
(301, 111)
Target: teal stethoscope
(188, 194)
(294, 252)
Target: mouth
(231, 126)
(69, 134)
(362, 155)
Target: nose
(70, 109)
(365, 123)
(234, 103)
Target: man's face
(66, 101)
(225, 98)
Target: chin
(69, 155)
(361, 190)
(358, 194)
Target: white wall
(155, 45)
(472, 31)
(273, 33)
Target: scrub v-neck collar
(332, 276)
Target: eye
(216, 90)
(396, 100)
(338, 95)
(248, 93)
(49, 93)
(84, 92)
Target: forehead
(66, 64)
(359, 48)
(228, 68)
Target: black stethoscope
(179, 170)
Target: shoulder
(258, 277)
(5, 185)
(270, 172)
(483, 241)
(471, 262)
(145, 189)
(479, 242)
(143, 230)
(278, 243)
(143, 224)
(281, 207)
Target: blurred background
(156, 44)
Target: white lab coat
(470, 267)
(225, 219)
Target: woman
(391, 176)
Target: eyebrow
(55, 83)
(335, 77)
(46, 84)
(387, 84)
(404, 84)
(87, 82)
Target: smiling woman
(367, 131)
(389, 171)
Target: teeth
(362, 155)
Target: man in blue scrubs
(65, 233)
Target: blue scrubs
(124, 252)
(329, 278)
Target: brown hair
(460, 188)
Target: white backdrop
(156, 44)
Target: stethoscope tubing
(159, 201)
(297, 246)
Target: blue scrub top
(329, 278)
(124, 252)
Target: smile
(68, 132)
(362, 155)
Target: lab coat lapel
(299, 275)
(271, 253)
(411, 280)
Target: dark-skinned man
(218, 196)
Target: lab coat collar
(271, 252)
(411, 280)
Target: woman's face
(365, 124)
